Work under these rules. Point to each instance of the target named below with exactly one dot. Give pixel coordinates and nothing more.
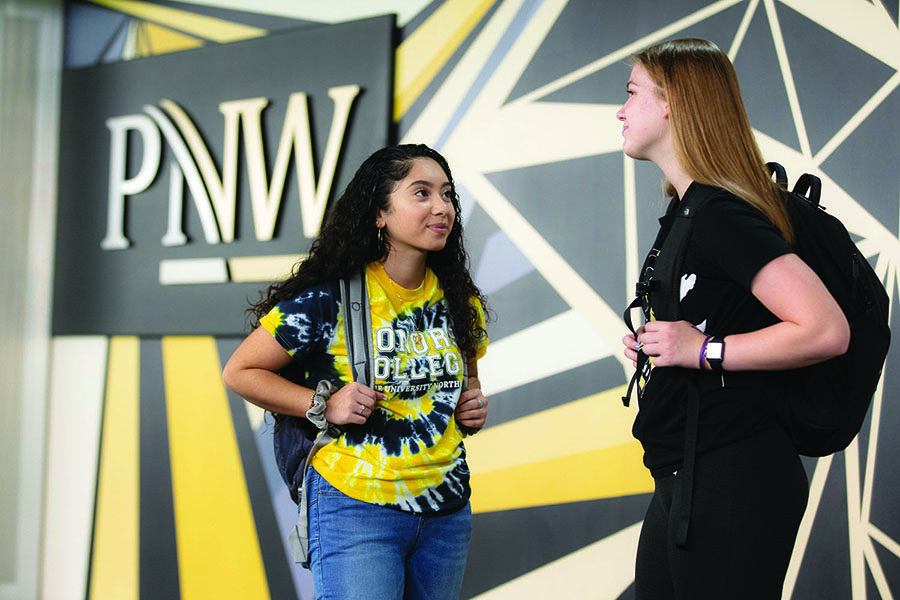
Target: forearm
(269, 391)
(471, 410)
(784, 346)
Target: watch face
(714, 351)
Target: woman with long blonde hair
(750, 308)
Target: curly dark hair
(349, 239)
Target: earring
(381, 236)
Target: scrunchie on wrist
(316, 411)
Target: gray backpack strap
(298, 537)
(358, 326)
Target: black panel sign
(188, 181)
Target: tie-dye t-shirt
(409, 455)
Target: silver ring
(362, 409)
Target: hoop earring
(380, 237)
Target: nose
(620, 114)
(443, 207)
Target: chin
(634, 155)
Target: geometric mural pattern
(520, 95)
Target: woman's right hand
(631, 342)
(353, 403)
(672, 343)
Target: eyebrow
(428, 184)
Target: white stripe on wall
(193, 270)
(77, 380)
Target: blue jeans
(362, 551)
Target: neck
(406, 271)
(666, 158)
(676, 175)
(681, 185)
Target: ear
(379, 219)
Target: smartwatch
(714, 353)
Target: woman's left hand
(471, 410)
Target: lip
(439, 227)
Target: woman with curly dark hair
(388, 500)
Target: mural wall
(161, 484)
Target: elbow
(228, 376)
(844, 343)
(836, 340)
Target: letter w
(266, 199)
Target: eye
(422, 193)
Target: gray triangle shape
(833, 78)
(762, 85)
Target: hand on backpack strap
(670, 343)
(471, 410)
(353, 403)
(633, 346)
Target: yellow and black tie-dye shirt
(409, 455)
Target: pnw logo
(214, 191)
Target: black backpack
(829, 401)
(826, 403)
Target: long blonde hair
(713, 140)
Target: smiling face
(645, 119)
(420, 214)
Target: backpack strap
(642, 290)
(780, 174)
(669, 300)
(684, 490)
(810, 187)
(663, 289)
(298, 537)
(665, 297)
(641, 357)
(666, 302)
(358, 326)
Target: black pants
(749, 499)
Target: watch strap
(715, 364)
